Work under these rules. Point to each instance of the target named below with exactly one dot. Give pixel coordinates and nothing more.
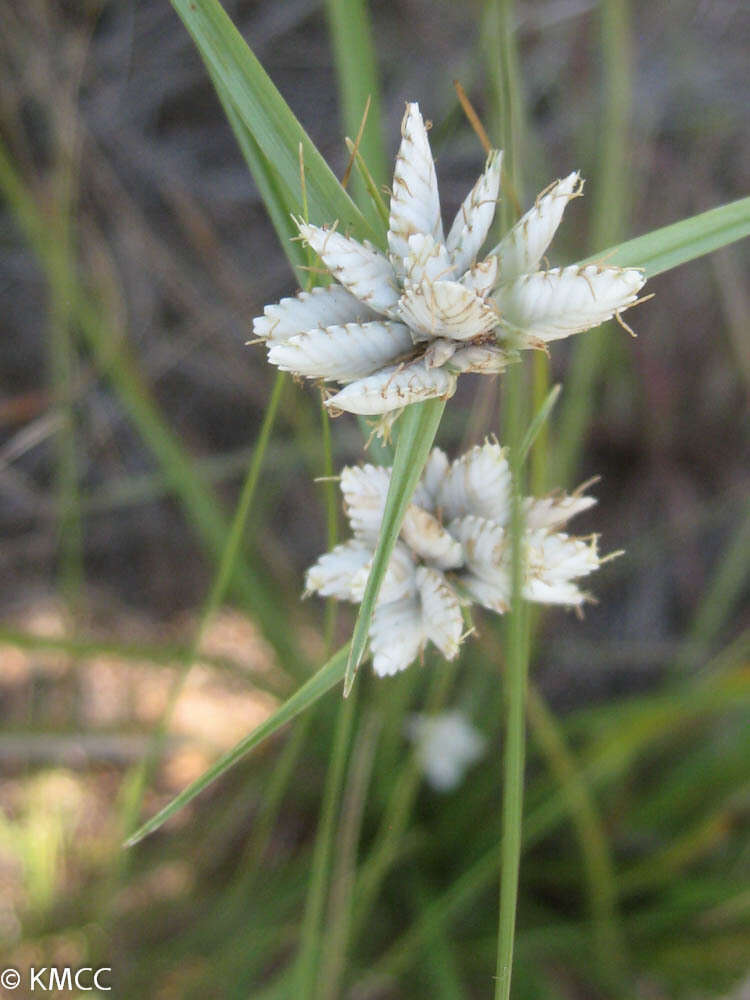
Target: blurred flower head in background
(447, 744)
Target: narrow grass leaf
(356, 68)
(321, 682)
(683, 241)
(369, 183)
(277, 198)
(725, 589)
(268, 117)
(323, 852)
(539, 420)
(419, 426)
(219, 587)
(655, 252)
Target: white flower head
(454, 548)
(399, 327)
(447, 744)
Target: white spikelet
(474, 217)
(398, 582)
(429, 540)
(484, 359)
(554, 511)
(441, 612)
(554, 562)
(439, 351)
(487, 552)
(359, 267)
(482, 277)
(335, 572)
(396, 636)
(415, 202)
(524, 246)
(307, 311)
(426, 260)
(552, 304)
(447, 309)
(434, 473)
(492, 593)
(364, 489)
(342, 353)
(486, 544)
(478, 483)
(394, 387)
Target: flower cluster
(399, 328)
(454, 549)
(447, 744)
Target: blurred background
(135, 252)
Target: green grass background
(155, 470)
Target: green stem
(333, 959)
(501, 64)
(502, 68)
(332, 520)
(307, 962)
(516, 660)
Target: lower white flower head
(400, 327)
(454, 549)
(447, 744)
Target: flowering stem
(331, 519)
(501, 61)
(516, 666)
(307, 962)
(505, 100)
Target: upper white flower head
(446, 744)
(400, 328)
(454, 548)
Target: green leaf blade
(356, 67)
(417, 432)
(683, 241)
(319, 684)
(268, 117)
